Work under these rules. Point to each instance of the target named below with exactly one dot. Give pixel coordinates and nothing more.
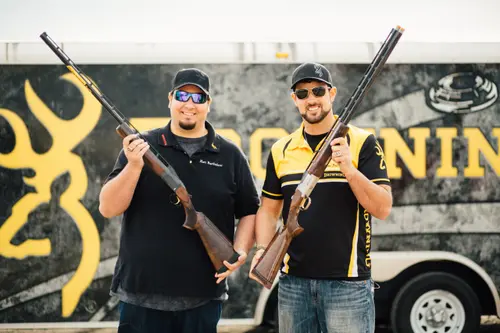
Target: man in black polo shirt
(325, 282)
(164, 277)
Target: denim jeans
(138, 319)
(327, 306)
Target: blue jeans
(328, 306)
(138, 319)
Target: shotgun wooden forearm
(217, 245)
(269, 264)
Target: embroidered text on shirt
(211, 163)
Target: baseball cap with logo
(311, 71)
(192, 76)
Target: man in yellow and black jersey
(325, 282)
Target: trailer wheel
(436, 302)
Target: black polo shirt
(157, 255)
(336, 240)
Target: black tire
(437, 282)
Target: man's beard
(316, 119)
(187, 126)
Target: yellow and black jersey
(337, 229)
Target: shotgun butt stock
(217, 245)
(269, 264)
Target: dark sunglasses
(317, 91)
(183, 96)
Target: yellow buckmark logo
(380, 153)
(60, 159)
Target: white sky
(254, 20)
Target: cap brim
(311, 78)
(191, 83)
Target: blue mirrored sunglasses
(183, 96)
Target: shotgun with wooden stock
(217, 245)
(269, 264)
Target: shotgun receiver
(217, 245)
(268, 265)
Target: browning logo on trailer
(65, 134)
(438, 128)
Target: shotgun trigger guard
(174, 199)
(305, 205)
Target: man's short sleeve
(372, 162)
(272, 185)
(247, 198)
(120, 163)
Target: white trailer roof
(256, 31)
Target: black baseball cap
(311, 71)
(192, 76)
